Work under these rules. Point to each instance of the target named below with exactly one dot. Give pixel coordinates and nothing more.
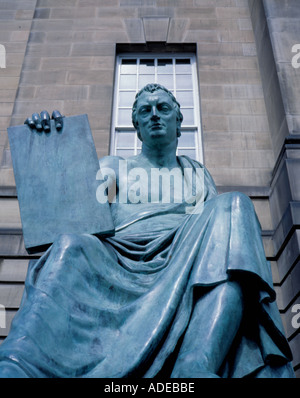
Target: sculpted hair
(151, 88)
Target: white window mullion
(174, 77)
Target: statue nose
(154, 112)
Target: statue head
(152, 88)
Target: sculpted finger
(37, 121)
(45, 121)
(58, 118)
(30, 123)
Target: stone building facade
(64, 54)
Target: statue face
(156, 118)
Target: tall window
(178, 74)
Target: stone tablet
(55, 176)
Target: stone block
(251, 91)
(17, 5)
(293, 123)
(278, 8)
(156, 29)
(89, 77)
(211, 92)
(274, 270)
(97, 23)
(4, 123)
(48, 25)
(219, 49)
(11, 295)
(92, 49)
(37, 37)
(198, 13)
(135, 30)
(280, 195)
(61, 37)
(262, 208)
(218, 25)
(102, 94)
(287, 288)
(123, 12)
(287, 258)
(97, 3)
(26, 108)
(6, 108)
(238, 76)
(217, 158)
(174, 3)
(159, 12)
(284, 34)
(62, 92)
(244, 36)
(214, 123)
(9, 83)
(12, 245)
(50, 50)
(289, 83)
(13, 270)
(245, 24)
(253, 159)
(177, 30)
(232, 12)
(242, 123)
(111, 36)
(31, 63)
(240, 177)
(9, 317)
(42, 13)
(54, 3)
(102, 62)
(137, 3)
(40, 78)
(293, 168)
(7, 178)
(24, 14)
(62, 63)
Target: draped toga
(120, 306)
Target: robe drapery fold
(119, 307)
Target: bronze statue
(182, 289)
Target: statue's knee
(235, 201)
(240, 199)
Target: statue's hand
(41, 122)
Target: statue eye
(164, 107)
(144, 110)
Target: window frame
(196, 98)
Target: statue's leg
(214, 323)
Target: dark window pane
(147, 66)
(128, 66)
(183, 66)
(164, 66)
